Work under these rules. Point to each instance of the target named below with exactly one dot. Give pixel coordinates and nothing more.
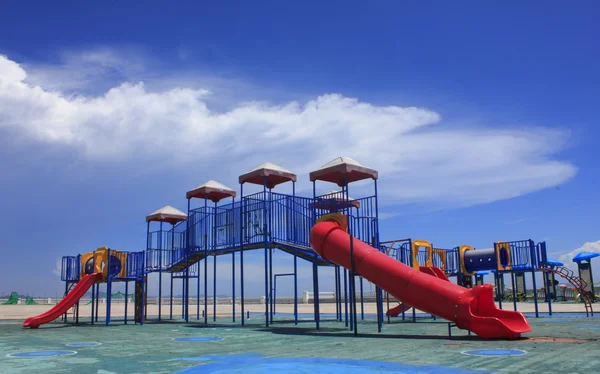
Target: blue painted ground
(251, 363)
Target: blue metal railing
(135, 265)
(452, 261)
(522, 254)
(405, 253)
(541, 254)
(70, 269)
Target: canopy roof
(167, 214)
(211, 190)
(585, 256)
(268, 172)
(343, 170)
(554, 262)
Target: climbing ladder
(580, 284)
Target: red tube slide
(471, 309)
(68, 301)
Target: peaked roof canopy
(211, 190)
(167, 214)
(343, 170)
(585, 256)
(268, 172)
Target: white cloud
(57, 267)
(567, 258)
(420, 159)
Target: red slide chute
(471, 309)
(68, 301)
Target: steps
(580, 284)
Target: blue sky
(480, 119)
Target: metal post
(295, 286)
(242, 205)
(378, 292)
(294, 237)
(93, 301)
(336, 292)
(65, 295)
(187, 252)
(266, 251)
(499, 287)
(535, 298)
(339, 292)
(205, 285)
(533, 267)
(171, 299)
(214, 249)
(97, 299)
(316, 268)
(108, 287)
(269, 232)
(345, 297)
(514, 291)
(233, 285)
(126, 299)
(207, 216)
(160, 241)
(362, 300)
(198, 292)
(352, 266)
(215, 287)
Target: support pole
(160, 242)
(547, 290)
(188, 252)
(514, 291)
(97, 299)
(378, 291)
(345, 297)
(205, 262)
(533, 268)
(126, 299)
(233, 286)
(242, 205)
(93, 301)
(108, 287)
(362, 300)
(295, 286)
(269, 232)
(215, 287)
(317, 311)
(266, 243)
(171, 299)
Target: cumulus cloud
(420, 158)
(57, 267)
(567, 258)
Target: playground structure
(221, 226)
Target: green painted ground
(405, 347)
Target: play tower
(220, 225)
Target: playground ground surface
(565, 342)
(22, 312)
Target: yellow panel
(461, 256)
(339, 218)
(415, 250)
(503, 245)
